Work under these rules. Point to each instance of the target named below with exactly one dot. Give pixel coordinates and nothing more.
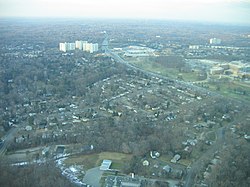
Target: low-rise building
(216, 70)
(130, 184)
(105, 165)
(215, 41)
(176, 158)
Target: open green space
(211, 136)
(167, 159)
(89, 161)
(174, 73)
(95, 160)
(118, 159)
(232, 89)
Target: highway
(117, 58)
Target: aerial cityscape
(119, 101)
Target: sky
(228, 11)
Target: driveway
(93, 177)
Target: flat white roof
(105, 165)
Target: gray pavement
(93, 177)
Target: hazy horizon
(218, 11)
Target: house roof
(167, 168)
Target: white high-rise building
(82, 45)
(67, 47)
(78, 45)
(95, 47)
(63, 47)
(90, 47)
(71, 46)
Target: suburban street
(196, 166)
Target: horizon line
(205, 22)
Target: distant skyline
(224, 11)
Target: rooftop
(105, 165)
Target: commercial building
(194, 47)
(216, 70)
(215, 41)
(105, 165)
(130, 184)
(138, 51)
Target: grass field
(95, 160)
(118, 159)
(228, 89)
(167, 159)
(89, 161)
(211, 136)
(173, 73)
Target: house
(45, 151)
(105, 165)
(154, 154)
(42, 124)
(215, 161)
(28, 128)
(247, 137)
(173, 172)
(87, 148)
(145, 163)
(177, 173)
(19, 139)
(167, 168)
(176, 158)
(206, 175)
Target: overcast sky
(233, 11)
